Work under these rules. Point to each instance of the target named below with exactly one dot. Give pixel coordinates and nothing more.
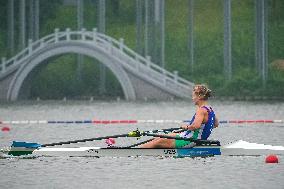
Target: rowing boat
(197, 147)
(238, 148)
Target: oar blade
(25, 144)
(23, 148)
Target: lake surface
(139, 172)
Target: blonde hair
(202, 91)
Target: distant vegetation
(58, 79)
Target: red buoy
(5, 129)
(271, 159)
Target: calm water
(141, 172)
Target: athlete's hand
(184, 127)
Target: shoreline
(120, 99)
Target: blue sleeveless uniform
(202, 133)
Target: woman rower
(200, 126)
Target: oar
(130, 134)
(25, 148)
(88, 139)
(29, 147)
(36, 145)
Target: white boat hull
(247, 148)
(239, 148)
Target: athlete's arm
(199, 119)
(216, 123)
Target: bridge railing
(166, 75)
(117, 47)
(12, 63)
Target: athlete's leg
(161, 142)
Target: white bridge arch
(138, 76)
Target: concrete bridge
(138, 76)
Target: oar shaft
(84, 140)
(138, 144)
(134, 134)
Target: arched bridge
(138, 76)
